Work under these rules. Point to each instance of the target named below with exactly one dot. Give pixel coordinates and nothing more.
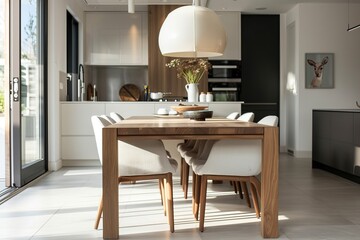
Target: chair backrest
(247, 117)
(144, 157)
(117, 117)
(136, 157)
(233, 115)
(270, 120)
(98, 124)
(110, 119)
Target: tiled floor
(313, 205)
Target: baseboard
(80, 163)
(55, 165)
(299, 154)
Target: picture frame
(319, 70)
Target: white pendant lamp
(192, 32)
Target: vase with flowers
(192, 70)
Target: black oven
(224, 80)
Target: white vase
(192, 92)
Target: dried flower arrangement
(192, 70)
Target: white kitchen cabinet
(76, 118)
(128, 109)
(116, 38)
(232, 24)
(78, 148)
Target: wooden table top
(178, 127)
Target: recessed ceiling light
(261, 8)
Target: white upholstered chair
(247, 117)
(195, 149)
(233, 115)
(140, 160)
(240, 161)
(117, 117)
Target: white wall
(320, 28)
(56, 65)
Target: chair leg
(255, 200)
(239, 189)
(193, 190)
(162, 193)
(98, 216)
(197, 196)
(257, 184)
(255, 192)
(186, 179)
(181, 171)
(246, 193)
(170, 204)
(202, 202)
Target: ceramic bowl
(200, 115)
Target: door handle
(15, 89)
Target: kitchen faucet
(81, 83)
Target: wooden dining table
(152, 127)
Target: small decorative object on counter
(209, 97)
(94, 95)
(146, 93)
(202, 97)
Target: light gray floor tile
(313, 204)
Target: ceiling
(250, 6)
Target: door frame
(19, 175)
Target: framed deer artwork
(319, 70)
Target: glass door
(27, 90)
(4, 173)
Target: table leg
(269, 183)
(110, 184)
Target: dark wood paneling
(162, 78)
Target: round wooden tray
(129, 92)
(182, 108)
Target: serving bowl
(199, 115)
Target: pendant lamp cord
(348, 14)
(196, 2)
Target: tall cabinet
(260, 55)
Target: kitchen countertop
(146, 102)
(338, 110)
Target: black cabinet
(260, 56)
(336, 141)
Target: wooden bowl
(183, 108)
